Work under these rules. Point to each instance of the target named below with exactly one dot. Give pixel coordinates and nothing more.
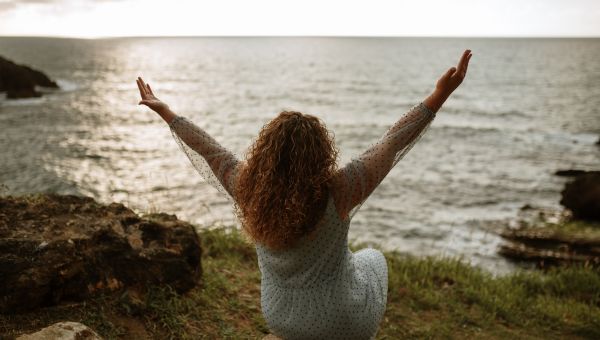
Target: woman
(296, 207)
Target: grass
(575, 229)
(566, 227)
(428, 298)
(461, 301)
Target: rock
(571, 172)
(543, 257)
(582, 196)
(19, 81)
(63, 331)
(271, 337)
(548, 247)
(57, 248)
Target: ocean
(528, 107)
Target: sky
(461, 18)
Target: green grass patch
(576, 228)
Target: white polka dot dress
(319, 289)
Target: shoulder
(336, 200)
(339, 194)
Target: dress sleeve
(217, 165)
(358, 178)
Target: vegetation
(428, 298)
(575, 229)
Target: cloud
(9, 5)
(6, 6)
(18, 2)
(102, 18)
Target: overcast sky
(107, 18)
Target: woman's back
(319, 289)
(302, 265)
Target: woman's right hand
(149, 99)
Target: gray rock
(63, 331)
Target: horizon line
(313, 36)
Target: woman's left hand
(448, 83)
(454, 76)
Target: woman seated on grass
(296, 206)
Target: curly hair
(282, 190)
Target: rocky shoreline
(573, 239)
(553, 244)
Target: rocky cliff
(20, 81)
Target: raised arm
(356, 180)
(217, 165)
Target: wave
(20, 101)
(64, 86)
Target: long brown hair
(282, 190)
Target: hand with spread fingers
(449, 82)
(150, 100)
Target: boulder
(63, 331)
(57, 248)
(547, 247)
(19, 81)
(582, 196)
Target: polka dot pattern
(319, 289)
(217, 165)
(357, 180)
